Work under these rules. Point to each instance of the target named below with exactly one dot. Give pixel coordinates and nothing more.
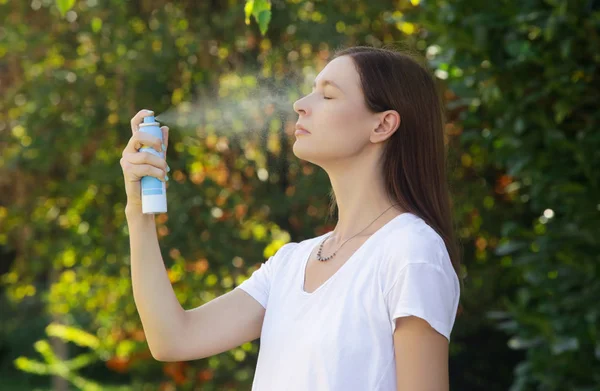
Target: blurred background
(521, 86)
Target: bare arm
(174, 334)
(217, 326)
(421, 356)
(156, 303)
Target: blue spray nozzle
(149, 119)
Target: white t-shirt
(340, 337)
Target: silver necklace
(332, 255)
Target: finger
(138, 171)
(134, 171)
(150, 141)
(138, 119)
(142, 139)
(146, 158)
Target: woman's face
(336, 116)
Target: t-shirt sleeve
(421, 287)
(258, 285)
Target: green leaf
(248, 10)
(260, 6)
(73, 334)
(263, 21)
(31, 366)
(261, 10)
(64, 5)
(96, 24)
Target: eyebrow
(327, 82)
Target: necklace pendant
(321, 259)
(332, 255)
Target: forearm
(160, 311)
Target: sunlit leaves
(53, 365)
(72, 334)
(236, 189)
(64, 6)
(261, 11)
(96, 24)
(521, 86)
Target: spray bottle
(154, 191)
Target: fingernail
(167, 178)
(164, 147)
(168, 168)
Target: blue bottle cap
(149, 119)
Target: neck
(361, 199)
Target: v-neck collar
(317, 241)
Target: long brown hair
(415, 157)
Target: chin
(319, 157)
(304, 151)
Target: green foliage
(521, 81)
(235, 196)
(261, 10)
(55, 366)
(64, 5)
(526, 80)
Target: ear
(387, 124)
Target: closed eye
(324, 97)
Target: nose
(301, 107)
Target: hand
(137, 164)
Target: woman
(368, 306)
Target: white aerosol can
(154, 191)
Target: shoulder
(414, 241)
(283, 253)
(415, 249)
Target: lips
(301, 129)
